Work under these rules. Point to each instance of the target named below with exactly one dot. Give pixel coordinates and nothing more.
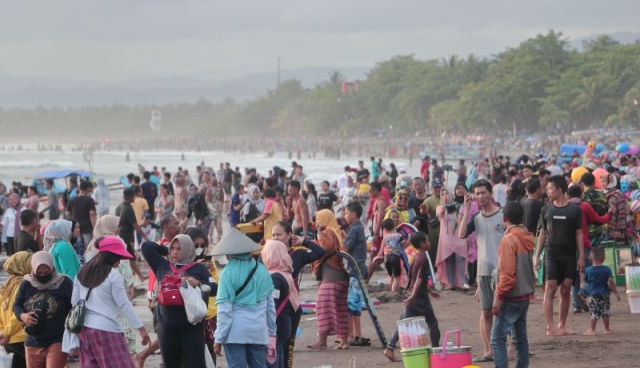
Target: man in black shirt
(128, 225)
(363, 173)
(419, 194)
(562, 236)
(30, 232)
(228, 179)
(82, 208)
(532, 206)
(326, 198)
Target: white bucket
(634, 300)
(5, 360)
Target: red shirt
(424, 169)
(589, 216)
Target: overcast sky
(128, 39)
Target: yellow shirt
(275, 215)
(139, 206)
(9, 324)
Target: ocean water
(24, 165)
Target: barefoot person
(562, 237)
(515, 285)
(416, 302)
(601, 284)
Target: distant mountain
(29, 92)
(622, 37)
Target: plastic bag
(70, 341)
(5, 359)
(195, 307)
(208, 359)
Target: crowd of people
(478, 230)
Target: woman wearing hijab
(11, 224)
(12, 335)
(106, 225)
(179, 339)
(57, 241)
(619, 203)
(99, 284)
(77, 240)
(331, 303)
(201, 245)
(246, 310)
(276, 259)
(102, 197)
(253, 206)
(451, 259)
(42, 304)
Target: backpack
(597, 200)
(169, 288)
(253, 214)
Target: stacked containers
(414, 342)
(633, 286)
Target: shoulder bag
(75, 319)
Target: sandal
(483, 359)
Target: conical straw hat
(234, 242)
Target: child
(601, 284)
(416, 302)
(356, 244)
(392, 242)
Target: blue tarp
(569, 149)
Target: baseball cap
(115, 245)
(435, 183)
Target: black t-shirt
(127, 220)
(517, 191)
(363, 174)
(561, 224)
(532, 208)
(438, 173)
(26, 242)
(228, 175)
(415, 203)
(326, 200)
(80, 208)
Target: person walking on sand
(601, 284)
(515, 285)
(489, 228)
(562, 237)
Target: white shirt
(9, 222)
(342, 184)
(105, 303)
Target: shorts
(392, 265)
(599, 306)
(355, 299)
(559, 269)
(485, 291)
(227, 188)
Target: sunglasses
(199, 245)
(403, 197)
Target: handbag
(434, 222)
(75, 319)
(169, 288)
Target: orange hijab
(329, 239)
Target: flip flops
(483, 359)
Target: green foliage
(538, 85)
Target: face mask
(199, 251)
(43, 279)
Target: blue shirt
(598, 279)
(234, 216)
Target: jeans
(455, 263)
(245, 355)
(430, 318)
(575, 288)
(513, 319)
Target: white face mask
(199, 251)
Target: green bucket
(416, 357)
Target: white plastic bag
(5, 359)
(207, 357)
(194, 305)
(70, 341)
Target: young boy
(392, 243)
(601, 284)
(416, 302)
(356, 244)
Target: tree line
(541, 85)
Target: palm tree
(595, 98)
